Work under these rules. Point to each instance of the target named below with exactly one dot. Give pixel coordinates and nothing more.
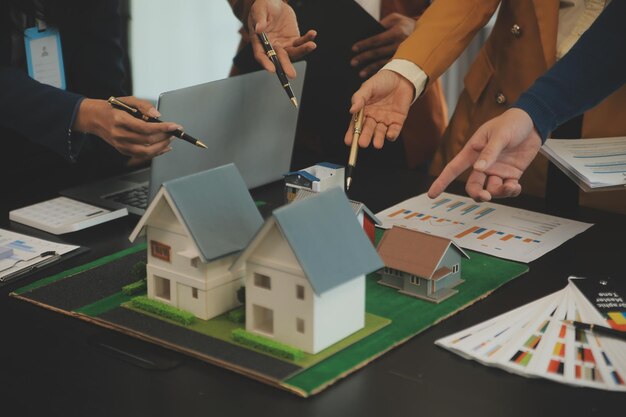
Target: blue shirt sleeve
(593, 69)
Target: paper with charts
(535, 341)
(494, 229)
(21, 251)
(594, 164)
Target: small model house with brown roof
(195, 227)
(366, 218)
(420, 264)
(305, 273)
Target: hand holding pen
(127, 134)
(280, 72)
(354, 147)
(278, 21)
(135, 112)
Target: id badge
(44, 56)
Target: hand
(130, 136)
(278, 20)
(499, 151)
(386, 97)
(376, 51)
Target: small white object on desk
(63, 215)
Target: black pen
(601, 330)
(271, 54)
(120, 105)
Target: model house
(366, 218)
(420, 264)
(195, 227)
(317, 178)
(305, 273)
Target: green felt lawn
(409, 316)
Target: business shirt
(583, 77)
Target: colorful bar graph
(483, 212)
(467, 232)
(395, 213)
(486, 235)
(455, 205)
(441, 202)
(469, 209)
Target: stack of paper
(533, 340)
(594, 164)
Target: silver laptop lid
(247, 120)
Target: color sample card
(536, 340)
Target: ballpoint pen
(120, 105)
(271, 54)
(356, 133)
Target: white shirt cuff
(411, 72)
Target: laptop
(247, 120)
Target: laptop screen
(247, 120)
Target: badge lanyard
(44, 56)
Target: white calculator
(63, 215)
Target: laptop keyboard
(135, 197)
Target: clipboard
(28, 254)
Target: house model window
(160, 251)
(262, 281)
(194, 262)
(455, 268)
(300, 325)
(415, 280)
(300, 292)
(162, 288)
(194, 293)
(263, 319)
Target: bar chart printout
(494, 229)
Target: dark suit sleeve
(593, 69)
(38, 112)
(93, 60)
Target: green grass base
(409, 316)
(391, 318)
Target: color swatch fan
(535, 340)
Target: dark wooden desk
(49, 364)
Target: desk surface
(50, 365)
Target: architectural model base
(92, 293)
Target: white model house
(305, 273)
(316, 178)
(195, 227)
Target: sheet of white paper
(494, 229)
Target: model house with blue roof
(316, 178)
(366, 218)
(195, 227)
(305, 273)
